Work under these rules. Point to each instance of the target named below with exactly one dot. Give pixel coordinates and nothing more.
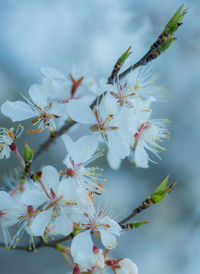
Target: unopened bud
(13, 146)
(95, 249)
(76, 270)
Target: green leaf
(134, 225)
(124, 56)
(163, 184)
(139, 223)
(175, 21)
(28, 153)
(162, 191)
(167, 44)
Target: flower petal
(51, 74)
(63, 225)
(5, 200)
(82, 250)
(79, 110)
(81, 150)
(40, 222)
(108, 239)
(50, 178)
(39, 95)
(127, 266)
(141, 156)
(33, 197)
(17, 111)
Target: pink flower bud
(76, 270)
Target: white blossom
(7, 137)
(43, 109)
(148, 137)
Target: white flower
(143, 83)
(57, 201)
(26, 215)
(95, 263)
(100, 225)
(106, 121)
(123, 95)
(8, 214)
(148, 137)
(43, 108)
(7, 137)
(80, 154)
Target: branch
(144, 205)
(41, 243)
(159, 194)
(162, 43)
(53, 137)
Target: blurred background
(51, 33)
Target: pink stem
(13, 147)
(44, 188)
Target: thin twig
(144, 205)
(52, 138)
(43, 244)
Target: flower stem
(65, 252)
(14, 149)
(44, 188)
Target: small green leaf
(118, 65)
(28, 153)
(162, 191)
(124, 56)
(134, 225)
(75, 231)
(139, 223)
(163, 184)
(175, 21)
(167, 44)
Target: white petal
(51, 74)
(79, 110)
(59, 109)
(141, 156)
(33, 197)
(50, 178)
(82, 250)
(81, 150)
(127, 266)
(5, 152)
(117, 145)
(114, 227)
(114, 160)
(39, 95)
(17, 111)
(63, 225)
(5, 200)
(40, 222)
(108, 239)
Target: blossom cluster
(51, 203)
(120, 116)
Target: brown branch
(144, 205)
(53, 137)
(41, 243)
